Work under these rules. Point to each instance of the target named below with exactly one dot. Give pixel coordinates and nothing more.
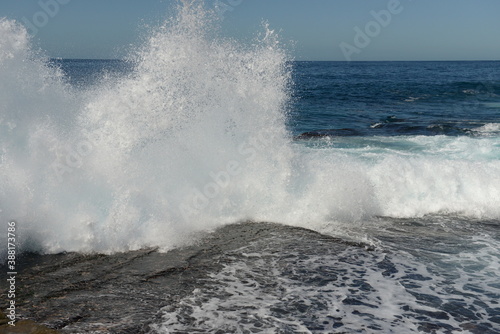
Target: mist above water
(195, 137)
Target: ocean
(206, 186)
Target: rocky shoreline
(23, 327)
(123, 292)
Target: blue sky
(318, 29)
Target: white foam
(146, 159)
(348, 291)
(489, 129)
(194, 138)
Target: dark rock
(23, 327)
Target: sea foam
(195, 137)
(146, 159)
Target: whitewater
(196, 136)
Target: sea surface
(319, 197)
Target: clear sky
(319, 29)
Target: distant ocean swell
(195, 137)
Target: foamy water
(195, 137)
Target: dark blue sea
(353, 197)
(366, 99)
(395, 98)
